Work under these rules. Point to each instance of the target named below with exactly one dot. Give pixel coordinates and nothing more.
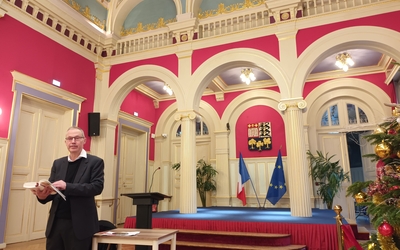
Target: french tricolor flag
(243, 177)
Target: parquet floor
(41, 245)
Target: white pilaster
(102, 83)
(188, 192)
(300, 200)
(103, 147)
(222, 166)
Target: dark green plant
(327, 176)
(205, 182)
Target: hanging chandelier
(247, 76)
(167, 89)
(343, 61)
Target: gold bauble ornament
(371, 246)
(398, 154)
(377, 199)
(379, 130)
(360, 197)
(383, 149)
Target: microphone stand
(152, 178)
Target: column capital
(292, 103)
(101, 69)
(191, 114)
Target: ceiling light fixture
(343, 61)
(247, 76)
(167, 89)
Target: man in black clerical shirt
(80, 177)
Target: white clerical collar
(82, 155)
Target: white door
(369, 168)
(336, 144)
(41, 129)
(132, 170)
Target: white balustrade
(209, 27)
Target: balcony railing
(209, 27)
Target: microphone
(152, 178)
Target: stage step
(209, 239)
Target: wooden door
(132, 170)
(41, 129)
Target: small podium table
(144, 213)
(147, 237)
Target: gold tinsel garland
(386, 242)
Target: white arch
(367, 37)
(130, 79)
(166, 119)
(178, 7)
(368, 93)
(245, 101)
(242, 57)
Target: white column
(188, 191)
(102, 83)
(222, 166)
(103, 147)
(299, 188)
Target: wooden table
(146, 237)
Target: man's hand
(60, 185)
(42, 193)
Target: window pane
(362, 116)
(205, 129)
(351, 113)
(178, 131)
(198, 127)
(334, 115)
(324, 119)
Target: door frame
(26, 85)
(142, 126)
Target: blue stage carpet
(318, 232)
(319, 216)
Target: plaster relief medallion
(184, 38)
(285, 16)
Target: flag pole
(259, 205)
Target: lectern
(144, 214)
(144, 202)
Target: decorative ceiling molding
(86, 13)
(143, 28)
(229, 9)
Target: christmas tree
(382, 196)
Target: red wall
(305, 37)
(268, 44)
(260, 114)
(29, 52)
(376, 79)
(144, 106)
(169, 62)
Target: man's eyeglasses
(77, 138)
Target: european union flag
(277, 186)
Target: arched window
(355, 115)
(330, 116)
(201, 129)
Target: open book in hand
(42, 184)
